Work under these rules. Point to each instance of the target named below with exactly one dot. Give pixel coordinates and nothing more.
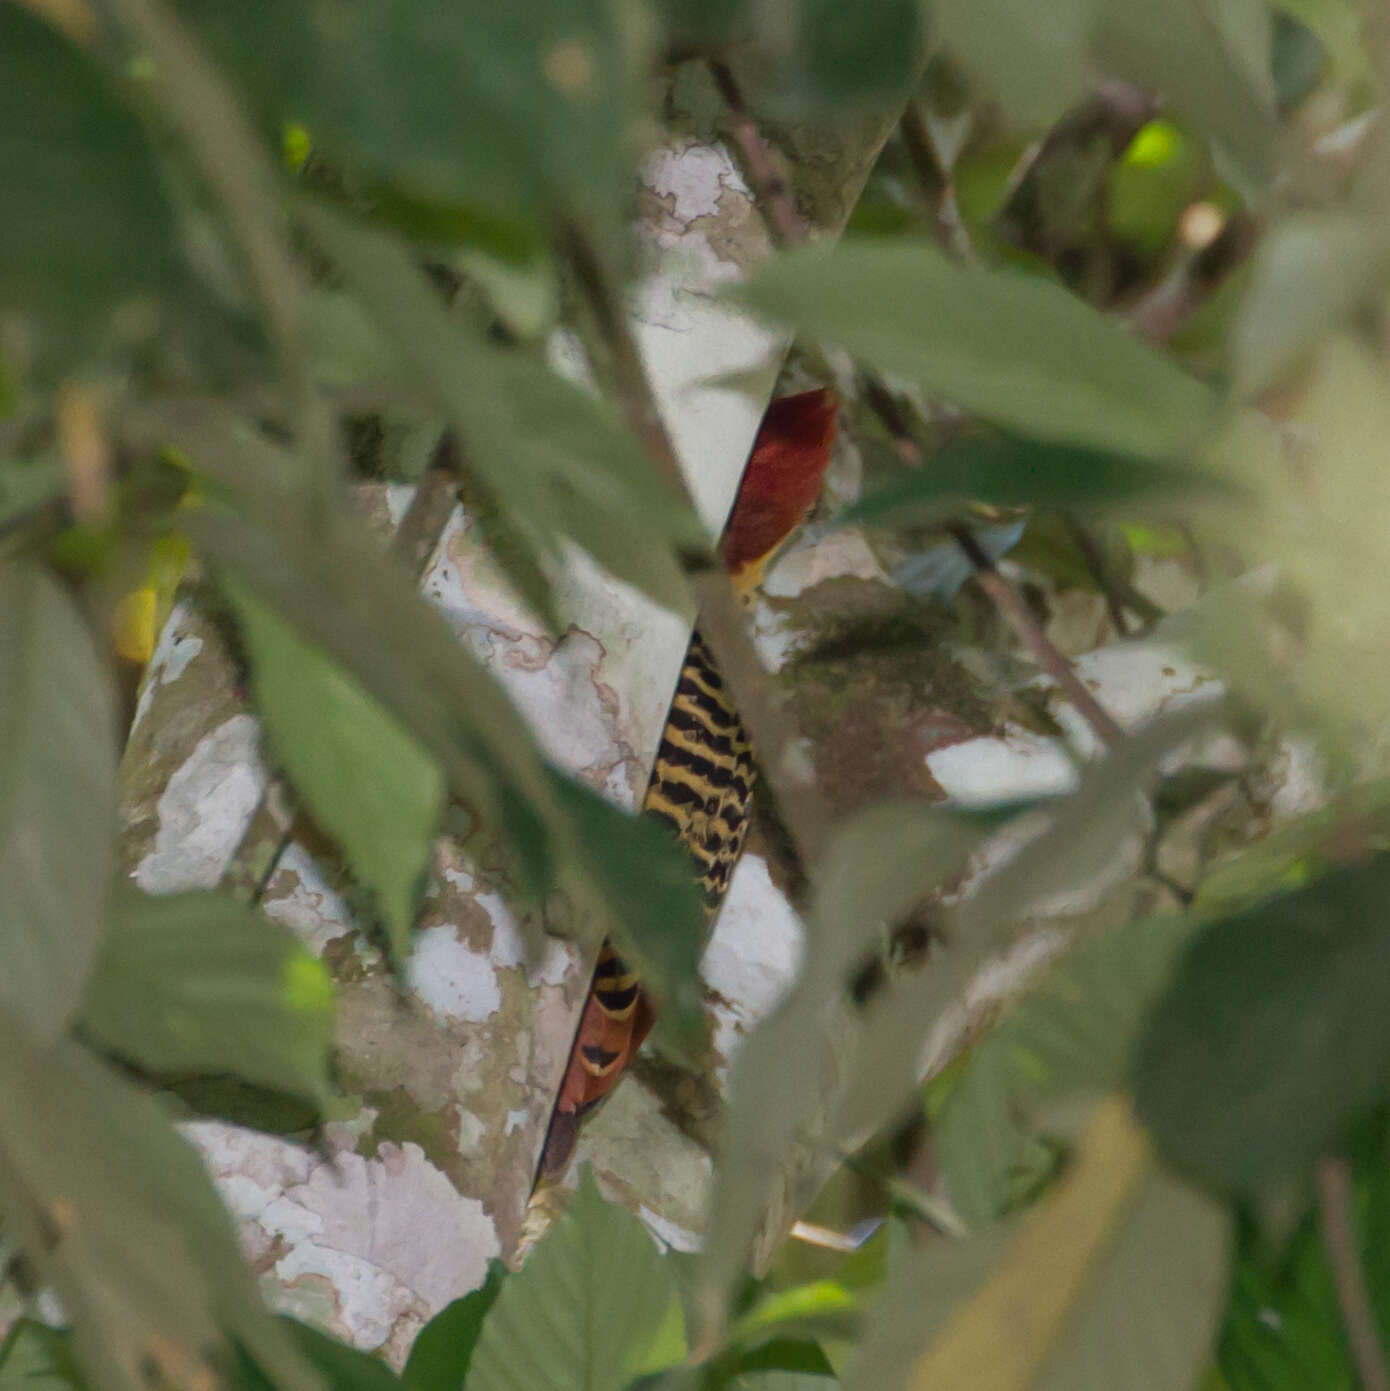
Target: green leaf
(1032, 59)
(27, 485)
(366, 779)
(554, 460)
(57, 800)
(1114, 1283)
(443, 1349)
(404, 90)
(197, 983)
(582, 1312)
(867, 55)
(1011, 472)
(1010, 348)
(1072, 1034)
(73, 160)
(119, 1217)
(1308, 275)
(1273, 1035)
(36, 1357)
(344, 1368)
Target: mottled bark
(403, 1204)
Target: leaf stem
(937, 187)
(1333, 1175)
(770, 190)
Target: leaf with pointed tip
(367, 780)
(583, 1311)
(443, 1348)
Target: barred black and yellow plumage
(702, 781)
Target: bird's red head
(781, 482)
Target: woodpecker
(702, 781)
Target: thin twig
(1014, 610)
(936, 185)
(803, 807)
(1343, 1256)
(770, 190)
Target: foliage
(1119, 269)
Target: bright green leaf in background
(1014, 350)
(583, 1312)
(57, 800)
(198, 984)
(366, 779)
(1273, 1035)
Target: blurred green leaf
(583, 1311)
(1273, 1034)
(1031, 58)
(197, 983)
(1072, 1034)
(1009, 472)
(553, 459)
(1114, 1283)
(403, 91)
(57, 800)
(89, 234)
(28, 484)
(119, 1217)
(1308, 275)
(36, 1357)
(443, 1349)
(366, 779)
(864, 55)
(1012, 349)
